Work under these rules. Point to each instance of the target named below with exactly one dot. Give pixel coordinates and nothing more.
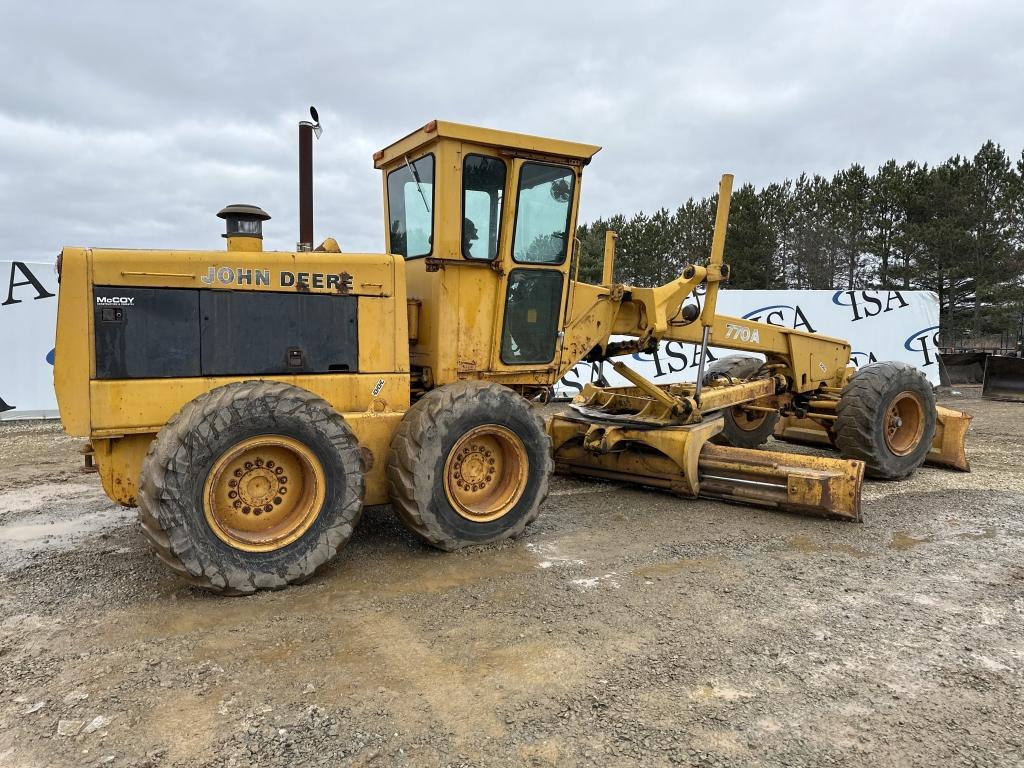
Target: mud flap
(1004, 379)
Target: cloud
(130, 125)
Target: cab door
(541, 245)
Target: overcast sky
(131, 124)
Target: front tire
(253, 485)
(886, 418)
(469, 464)
(741, 429)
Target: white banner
(880, 325)
(28, 322)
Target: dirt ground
(627, 627)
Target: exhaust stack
(306, 131)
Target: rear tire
(209, 500)
(469, 464)
(886, 418)
(741, 431)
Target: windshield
(542, 213)
(410, 207)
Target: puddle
(594, 488)
(26, 499)
(903, 542)
(437, 573)
(676, 567)
(711, 691)
(988, 533)
(549, 555)
(56, 533)
(807, 546)
(593, 581)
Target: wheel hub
(257, 488)
(473, 467)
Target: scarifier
(251, 403)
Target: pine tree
(751, 242)
(956, 229)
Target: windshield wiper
(416, 178)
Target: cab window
(543, 208)
(531, 316)
(483, 191)
(411, 206)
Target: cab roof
(486, 136)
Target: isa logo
(926, 343)
(781, 316)
(865, 304)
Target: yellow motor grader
(251, 403)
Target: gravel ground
(626, 627)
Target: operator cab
(484, 220)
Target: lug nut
(259, 462)
(248, 465)
(270, 464)
(238, 473)
(246, 509)
(237, 505)
(277, 499)
(278, 470)
(232, 494)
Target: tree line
(956, 229)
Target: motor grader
(252, 403)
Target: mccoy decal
(340, 282)
(115, 301)
(864, 304)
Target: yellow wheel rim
(742, 418)
(264, 493)
(904, 423)
(485, 473)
